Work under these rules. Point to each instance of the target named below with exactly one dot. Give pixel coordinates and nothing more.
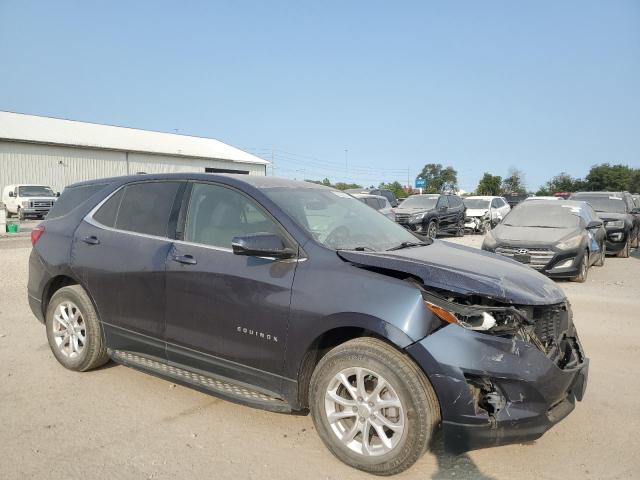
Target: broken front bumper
(494, 390)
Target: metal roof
(55, 131)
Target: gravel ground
(119, 423)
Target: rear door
(227, 314)
(119, 252)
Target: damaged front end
(503, 373)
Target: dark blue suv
(294, 297)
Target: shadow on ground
(450, 465)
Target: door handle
(186, 259)
(91, 240)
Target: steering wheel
(338, 237)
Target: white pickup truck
(28, 200)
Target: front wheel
(432, 229)
(583, 269)
(21, 216)
(624, 253)
(460, 229)
(372, 407)
(74, 331)
(603, 255)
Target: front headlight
(474, 317)
(490, 242)
(573, 242)
(615, 224)
(25, 204)
(417, 217)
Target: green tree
(514, 183)
(608, 177)
(340, 185)
(395, 187)
(634, 181)
(489, 185)
(563, 182)
(438, 178)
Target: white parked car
(377, 202)
(28, 200)
(484, 212)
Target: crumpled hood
(465, 270)
(532, 235)
(476, 212)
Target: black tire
(584, 269)
(636, 243)
(602, 257)
(624, 253)
(415, 393)
(21, 216)
(432, 229)
(94, 351)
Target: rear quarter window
(73, 197)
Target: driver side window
(216, 214)
(442, 202)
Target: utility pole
(273, 161)
(346, 165)
(408, 180)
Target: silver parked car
(377, 202)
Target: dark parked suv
(621, 219)
(432, 214)
(294, 297)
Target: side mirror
(635, 211)
(594, 224)
(57, 194)
(261, 245)
(11, 194)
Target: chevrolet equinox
(294, 297)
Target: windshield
(420, 201)
(603, 203)
(476, 203)
(339, 221)
(35, 191)
(535, 214)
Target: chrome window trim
(91, 221)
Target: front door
(226, 313)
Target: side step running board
(213, 385)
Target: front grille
(540, 257)
(41, 203)
(551, 322)
(402, 218)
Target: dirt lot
(118, 423)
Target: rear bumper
(529, 393)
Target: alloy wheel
(364, 411)
(432, 230)
(69, 329)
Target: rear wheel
(432, 229)
(583, 269)
(624, 253)
(460, 229)
(373, 408)
(74, 331)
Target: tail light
(36, 233)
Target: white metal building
(55, 152)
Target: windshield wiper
(359, 249)
(408, 245)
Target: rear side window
(372, 202)
(454, 201)
(72, 198)
(140, 208)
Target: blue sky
(545, 86)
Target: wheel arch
(330, 338)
